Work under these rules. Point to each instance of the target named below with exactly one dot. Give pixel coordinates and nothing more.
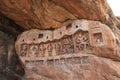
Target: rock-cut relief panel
(82, 42)
(48, 49)
(24, 50)
(56, 48)
(41, 50)
(67, 45)
(98, 39)
(33, 50)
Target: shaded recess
(10, 65)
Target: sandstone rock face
(72, 52)
(75, 50)
(45, 14)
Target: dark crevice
(11, 67)
(65, 20)
(9, 25)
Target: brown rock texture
(72, 40)
(73, 52)
(47, 14)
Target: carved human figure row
(67, 45)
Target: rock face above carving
(66, 51)
(45, 14)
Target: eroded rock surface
(72, 52)
(46, 14)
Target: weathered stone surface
(83, 67)
(46, 14)
(66, 53)
(72, 52)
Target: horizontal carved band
(80, 36)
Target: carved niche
(33, 50)
(41, 50)
(98, 39)
(82, 42)
(56, 48)
(24, 49)
(48, 49)
(67, 45)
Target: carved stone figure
(41, 50)
(57, 48)
(56, 61)
(67, 45)
(24, 50)
(33, 50)
(81, 41)
(50, 63)
(85, 60)
(98, 39)
(77, 60)
(48, 49)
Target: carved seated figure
(99, 42)
(24, 49)
(33, 51)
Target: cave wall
(10, 65)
